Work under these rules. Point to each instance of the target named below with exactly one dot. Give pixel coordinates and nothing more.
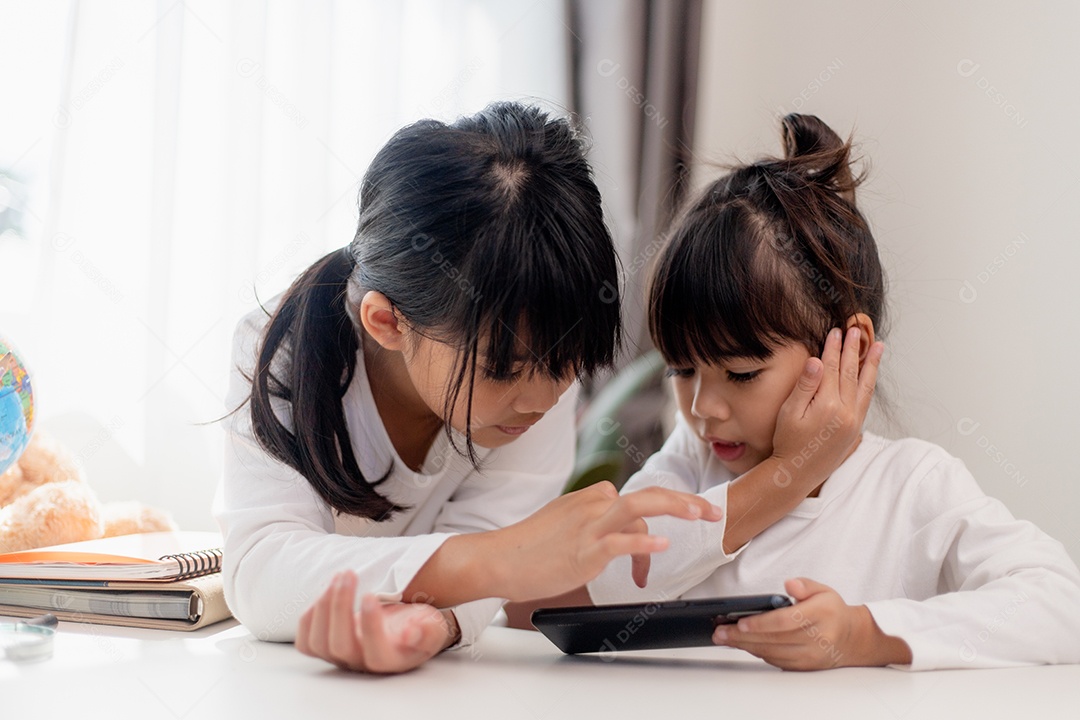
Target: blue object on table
(16, 406)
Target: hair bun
(807, 135)
(815, 151)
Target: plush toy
(44, 500)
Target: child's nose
(540, 395)
(709, 404)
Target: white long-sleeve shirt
(901, 527)
(284, 543)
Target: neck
(410, 423)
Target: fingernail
(854, 334)
(695, 510)
(660, 543)
(744, 625)
(835, 334)
(812, 368)
(717, 511)
(720, 635)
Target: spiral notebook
(162, 556)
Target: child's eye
(679, 372)
(742, 377)
(507, 377)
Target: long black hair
(482, 233)
(773, 251)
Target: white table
(221, 671)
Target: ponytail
(313, 316)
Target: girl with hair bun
(898, 558)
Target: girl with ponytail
(911, 563)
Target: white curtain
(161, 164)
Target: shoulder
(931, 477)
(248, 334)
(906, 457)
(250, 327)
(246, 339)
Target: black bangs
(717, 292)
(545, 301)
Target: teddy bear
(45, 500)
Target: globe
(16, 406)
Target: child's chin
(736, 468)
(747, 462)
(490, 438)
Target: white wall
(969, 114)
(181, 160)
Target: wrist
(477, 568)
(875, 647)
(811, 466)
(459, 571)
(453, 629)
(795, 474)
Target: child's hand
(821, 421)
(569, 541)
(558, 548)
(389, 638)
(820, 632)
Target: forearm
(561, 547)
(1021, 619)
(268, 582)
(761, 497)
(463, 569)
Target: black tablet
(647, 626)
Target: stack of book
(169, 580)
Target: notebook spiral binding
(194, 564)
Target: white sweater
(901, 527)
(283, 543)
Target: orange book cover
(142, 556)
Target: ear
(866, 333)
(381, 321)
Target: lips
(727, 451)
(517, 429)
(513, 429)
